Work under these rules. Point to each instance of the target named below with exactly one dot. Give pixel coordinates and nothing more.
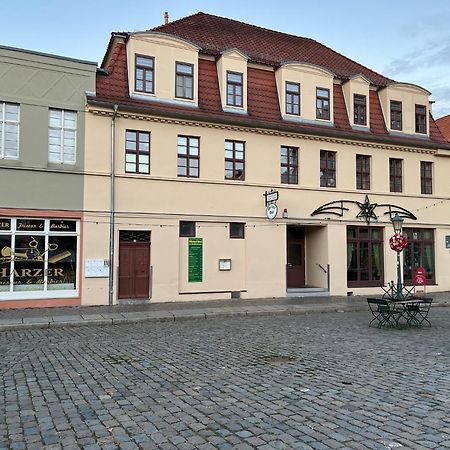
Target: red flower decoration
(398, 242)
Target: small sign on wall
(96, 268)
(224, 264)
(447, 242)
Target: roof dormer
(406, 109)
(232, 75)
(356, 96)
(162, 68)
(305, 93)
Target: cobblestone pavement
(278, 382)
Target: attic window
(234, 89)
(323, 103)
(144, 76)
(184, 80)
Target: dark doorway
(134, 264)
(295, 266)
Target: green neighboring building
(42, 119)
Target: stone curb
(185, 315)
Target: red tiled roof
(215, 34)
(377, 123)
(263, 106)
(443, 124)
(340, 110)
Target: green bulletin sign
(195, 260)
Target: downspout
(112, 206)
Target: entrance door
(134, 265)
(295, 267)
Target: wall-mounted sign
(195, 260)
(224, 264)
(63, 225)
(447, 241)
(30, 225)
(96, 268)
(271, 196)
(271, 211)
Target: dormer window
(396, 115)
(292, 98)
(323, 103)
(234, 89)
(421, 119)
(184, 82)
(145, 71)
(359, 110)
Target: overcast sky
(407, 40)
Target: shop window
(62, 130)
(364, 256)
(327, 168)
(234, 160)
(184, 80)
(137, 151)
(289, 165)
(144, 75)
(237, 230)
(363, 172)
(188, 156)
(9, 130)
(419, 253)
(38, 256)
(187, 228)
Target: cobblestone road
(313, 381)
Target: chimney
(166, 18)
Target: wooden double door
(295, 264)
(134, 265)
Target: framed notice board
(195, 260)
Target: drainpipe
(112, 206)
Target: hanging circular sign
(271, 211)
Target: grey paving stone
(228, 383)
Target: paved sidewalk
(18, 319)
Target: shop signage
(366, 210)
(5, 224)
(271, 198)
(420, 277)
(30, 225)
(195, 260)
(271, 211)
(63, 225)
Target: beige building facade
(191, 148)
(210, 167)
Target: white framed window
(62, 131)
(9, 130)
